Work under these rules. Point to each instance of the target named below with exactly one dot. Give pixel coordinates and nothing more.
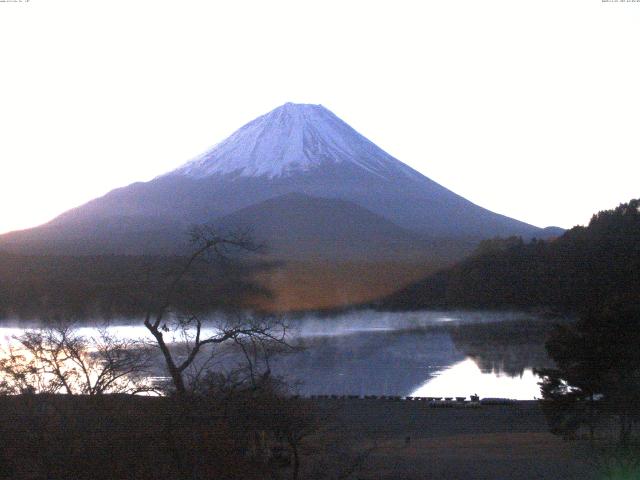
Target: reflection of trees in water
(505, 347)
(376, 363)
(386, 362)
(395, 362)
(509, 359)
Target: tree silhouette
(60, 360)
(186, 298)
(598, 372)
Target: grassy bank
(246, 437)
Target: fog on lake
(431, 353)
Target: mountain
(290, 140)
(323, 197)
(292, 149)
(297, 226)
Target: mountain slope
(302, 227)
(293, 149)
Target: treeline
(109, 286)
(594, 265)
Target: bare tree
(173, 314)
(59, 360)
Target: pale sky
(528, 108)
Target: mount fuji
(296, 148)
(307, 182)
(294, 139)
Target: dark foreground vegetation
(253, 434)
(593, 391)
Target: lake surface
(418, 353)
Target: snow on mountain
(294, 149)
(290, 139)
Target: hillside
(597, 264)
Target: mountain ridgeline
(348, 221)
(585, 267)
(295, 148)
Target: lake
(491, 354)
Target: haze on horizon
(527, 109)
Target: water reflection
(466, 378)
(400, 354)
(368, 363)
(418, 353)
(414, 362)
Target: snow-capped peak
(292, 138)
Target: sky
(527, 108)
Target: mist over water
(427, 353)
(369, 320)
(419, 353)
